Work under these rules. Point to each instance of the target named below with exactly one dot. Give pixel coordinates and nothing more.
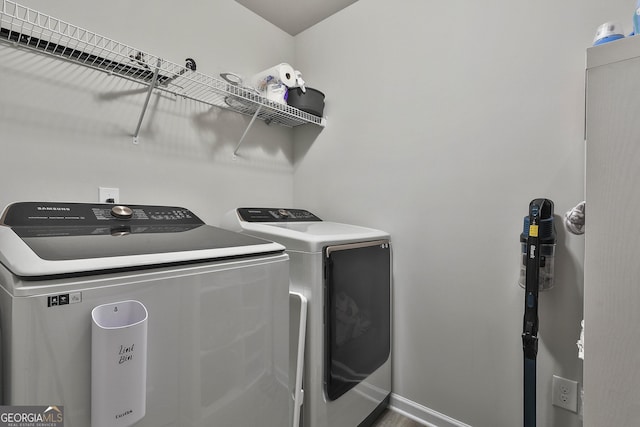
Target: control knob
(121, 212)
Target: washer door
(357, 313)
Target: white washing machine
(213, 303)
(344, 271)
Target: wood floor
(393, 419)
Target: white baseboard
(422, 414)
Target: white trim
(422, 414)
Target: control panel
(28, 214)
(276, 215)
(38, 219)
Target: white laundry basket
(118, 364)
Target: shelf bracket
(253, 119)
(146, 101)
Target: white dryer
(344, 271)
(214, 306)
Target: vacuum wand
(538, 250)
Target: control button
(530, 300)
(121, 212)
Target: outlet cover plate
(564, 393)
(106, 193)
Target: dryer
(215, 304)
(344, 272)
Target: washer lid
(38, 239)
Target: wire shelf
(28, 28)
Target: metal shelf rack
(21, 26)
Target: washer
(216, 316)
(344, 272)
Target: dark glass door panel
(357, 313)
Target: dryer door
(357, 313)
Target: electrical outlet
(564, 393)
(109, 195)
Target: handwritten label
(125, 354)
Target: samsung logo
(52, 208)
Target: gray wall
(66, 130)
(444, 121)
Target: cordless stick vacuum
(536, 274)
